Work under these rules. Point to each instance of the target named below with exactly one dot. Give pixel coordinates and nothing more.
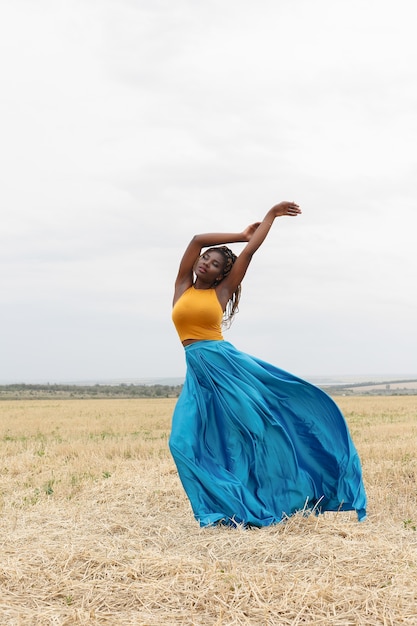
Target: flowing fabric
(253, 444)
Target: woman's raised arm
(185, 272)
(255, 236)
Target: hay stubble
(96, 529)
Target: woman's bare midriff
(187, 342)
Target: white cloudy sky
(129, 125)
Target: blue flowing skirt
(253, 444)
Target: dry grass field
(96, 529)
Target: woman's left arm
(255, 235)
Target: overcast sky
(127, 126)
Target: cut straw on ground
(96, 529)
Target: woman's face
(209, 266)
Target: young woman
(252, 443)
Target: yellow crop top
(197, 314)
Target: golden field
(96, 529)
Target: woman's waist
(188, 343)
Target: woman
(252, 443)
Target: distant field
(96, 529)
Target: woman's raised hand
(250, 230)
(286, 208)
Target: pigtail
(232, 307)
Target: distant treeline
(373, 388)
(21, 391)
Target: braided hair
(233, 303)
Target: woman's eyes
(207, 258)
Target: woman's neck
(201, 285)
